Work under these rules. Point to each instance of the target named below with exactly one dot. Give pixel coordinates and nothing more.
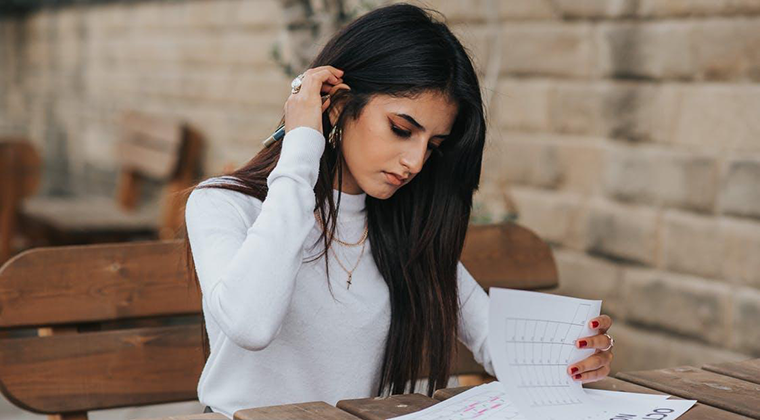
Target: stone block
(654, 50)
(679, 8)
(260, 14)
(745, 334)
(141, 49)
(587, 277)
(740, 188)
(262, 89)
(582, 161)
(658, 176)
(721, 117)
(622, 232)
(527, 10)
(740, 256)
(593, 9)
(149, 16)
(579, 108)
(636, 111)
(691, 245)
(553, 216)
(727, 48)
(200, 48)
(528, 160)
(543, 160)
(685, 305)
(457, 11)
(252, 49)
(510, 10)
(639, 348)
(548, 49)
(202, 15)
(522, 105)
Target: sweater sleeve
(473, 320)
(247, 263)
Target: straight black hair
(417, 235)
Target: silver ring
(295, 85)
(612, 342)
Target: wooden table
(728, 391)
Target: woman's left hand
(596, 366)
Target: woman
(377, 209)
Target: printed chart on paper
(533, 335)
(531, 343)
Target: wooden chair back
(20, 167)
(509, 255)
(90, 308)
(161, 149)
(95, 346)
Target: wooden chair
(503, 255)
(149, 148)
(19, 178)
(85, 331)
(87, 318)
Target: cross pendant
(349, 282)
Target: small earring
(335, 134)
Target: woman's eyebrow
(416, 124)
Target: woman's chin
(382, 192)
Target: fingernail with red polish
(594, 324)
(573, 370)
(578, 376)
(582, 343)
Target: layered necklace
(362, 242)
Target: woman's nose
(414, 157)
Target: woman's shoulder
(210, 197)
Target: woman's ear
(335, 112)
(337, 107)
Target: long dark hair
(417, 235)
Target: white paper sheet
(626, 408)
(490, 402)
(481, 402)
(601, 394)
(532, 342)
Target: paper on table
(642, 408)
(490, 402)
(532, 342)
(603, 393)
(481, 402)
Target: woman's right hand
(305, 107)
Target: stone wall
(626, 133)
(67, 73)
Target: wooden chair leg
(8, 204)
(68, 416)
(172, 207)
(6, 234)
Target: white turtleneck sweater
(276, 334)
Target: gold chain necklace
(351, 272)
(362, 241)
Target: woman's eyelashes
(406, 134)
(400, 132)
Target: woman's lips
(393, 179)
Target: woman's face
(393, 136)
